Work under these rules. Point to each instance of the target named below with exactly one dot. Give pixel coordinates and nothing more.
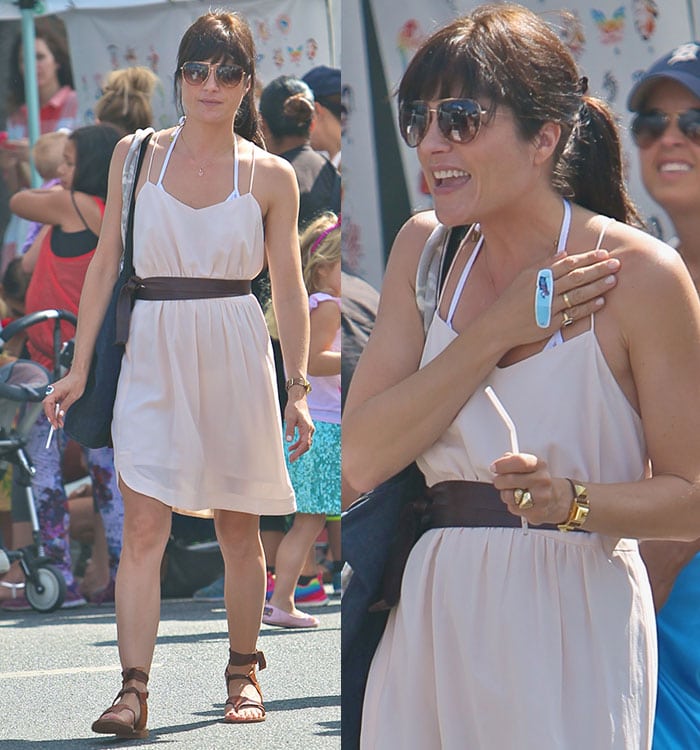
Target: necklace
(204, 164)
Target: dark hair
(55, 40)
(509, 56)
(15, 280)
(126, 99)
(94, 145)
(287, 104)
(223, 37)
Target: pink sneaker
(270, 585)
(311, 595)
(275, 616)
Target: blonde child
(316, 475)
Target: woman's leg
(146, 531)
(291, 556)
(244, 561)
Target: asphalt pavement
(59, 671)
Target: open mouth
(673, 167)
(450, 177)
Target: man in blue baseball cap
(666, 130)
(325, 83)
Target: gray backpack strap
(429, 271)
(128, 174)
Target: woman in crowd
(196, 423)
(525, 618)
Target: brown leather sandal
(136, 728)
(238, 702)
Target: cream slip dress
(512, 639)
(196, 417)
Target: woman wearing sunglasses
(196, 423)
(666, 129)
(525, 618)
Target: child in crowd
(316, 475)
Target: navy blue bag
(369, 529)
(89, 420)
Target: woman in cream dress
(533, 630)
(196, 423)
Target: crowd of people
(552, 564)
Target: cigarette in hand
(53, 429)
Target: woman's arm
(289, 298)
(325, 322)
(46, 205)
(394, 411)
(97, 290)
(658, 317)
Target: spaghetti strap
(78, 211)
(252, 167)
(604, 229)
(462, 279)
(173, 140)
(235, 193)
(153, 153)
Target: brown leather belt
(444, 505)
(172, 287)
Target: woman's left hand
(550, 496)
(297, 417)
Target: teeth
(445, 174)
(675, 167)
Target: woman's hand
(580, 285)
(64, 392)
(551, 497)
(296, 416)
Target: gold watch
(303, 382)
(578, 512)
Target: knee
(144, 535)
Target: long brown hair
(222, 36)
(509, 56)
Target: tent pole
(31, 92)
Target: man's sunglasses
(197, 73)
(459, 120)
(648, 127)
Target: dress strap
(150, 161)
(608, 221)
(462, 280)
(252, 167)
(235, 193)
(565, 226)
(173, 139)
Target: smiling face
(469, 181)
(670, 166)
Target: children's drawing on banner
(645, 15)
(283, 23)
(611, 87)
(295, 54)
(611, 29)
(408, 40)
(311, 48)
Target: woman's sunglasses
(648, 127)
(459, 120)
(197, 73)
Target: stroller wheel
(48, 589)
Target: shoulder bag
(89, 420)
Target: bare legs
(137, 595)
(244, 593)
(291, 556)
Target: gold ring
(518, 495)
(568, 320)
(566, 299)
(526, 502)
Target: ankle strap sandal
(123, 728)
(239, 702)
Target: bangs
(447, 67)
(215, 42)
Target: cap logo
(684, 53)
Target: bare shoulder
(410, 241)
(270, 166)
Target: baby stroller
(22, 388)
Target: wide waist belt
(444, 505)
(171, 287)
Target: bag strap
(129, 239)
(435, 259)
